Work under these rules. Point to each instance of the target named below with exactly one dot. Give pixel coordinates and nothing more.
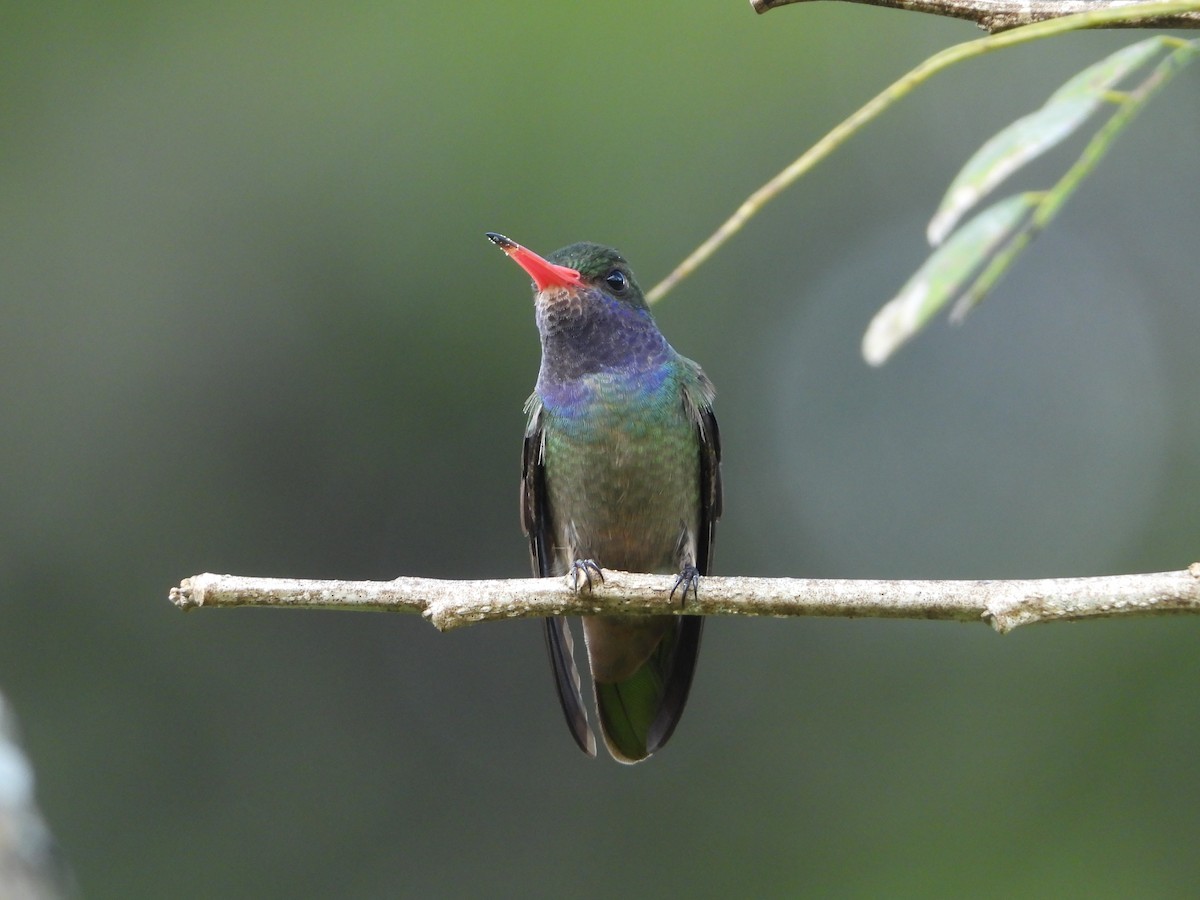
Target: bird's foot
(689, 580)
(586, 567)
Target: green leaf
(973, 260)
(1100, 77)
(1034, 134)
(945, 275)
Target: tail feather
(682, 667)
(638, 714)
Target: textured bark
(451, 604)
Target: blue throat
(618, 343)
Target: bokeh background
(250, 324)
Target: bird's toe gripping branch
(689, 580)
(586, 567)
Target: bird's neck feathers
(586, 331)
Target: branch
(1001, 15)
(449, 604)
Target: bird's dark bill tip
(501, 241)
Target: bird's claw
(587, 567)
(689, 580)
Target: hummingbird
(621, 469)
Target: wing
(536, 521)
(698, 396)
(535, 515)
(680, 664)
(710, 486)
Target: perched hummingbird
(621, 469)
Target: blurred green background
(250, 324)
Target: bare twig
(1001, 15)
(449, 604)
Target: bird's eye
(616, 280)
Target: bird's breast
(622, 472)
